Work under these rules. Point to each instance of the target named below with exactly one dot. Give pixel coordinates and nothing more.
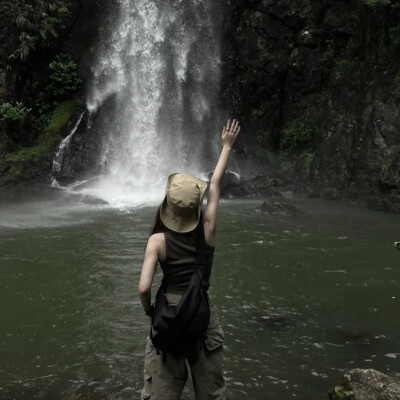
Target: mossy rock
(339, 393)
(34, 161)
(47, 138)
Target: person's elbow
(144, 288)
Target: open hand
(230, 132)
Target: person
(172, 243)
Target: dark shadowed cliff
(318, 84)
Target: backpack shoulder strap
(200, 244)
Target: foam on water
(44, 214)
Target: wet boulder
(330, 193)
(268, 184)
(85, 199)
(279, 206)
(367, 384)
(230, 185)
(379, 203)
(93, 200)
(234, 185)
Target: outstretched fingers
(236, 132)
(235, 126)
(230, 132)
(231, 126)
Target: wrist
(149, 310)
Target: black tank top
(180, 260)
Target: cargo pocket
(215, 333)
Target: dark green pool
(302, 299)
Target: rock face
(81, 157)
(367, 384)
(317, 82)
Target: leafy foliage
(299, 134)
(13, 112)
(57, 119)
(63, 81)
(375, 3)
(38, 22)
(64, 77)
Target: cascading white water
(155, 83)
(63, 146)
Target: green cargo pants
(165, 378)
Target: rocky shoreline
(286, 186)
(367, 384)
(275, 189)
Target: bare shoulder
(156, 243)
(156, 240)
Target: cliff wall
(317, 84)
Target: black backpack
(177, 328)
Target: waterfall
(63, 147)
(155, 85)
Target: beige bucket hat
(181, 208)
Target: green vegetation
(389, 165)
(299, 164)
(52, 107)
(394, 36)
(38, 22)
(64, 77)
(4, 146)
(13, 112)
(375, 3)
(305, 132)
(63, 81)
(299, 135)
(58, 118)
(344, 69)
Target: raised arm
(228, 137)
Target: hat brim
(178, 223)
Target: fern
(38, 22)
